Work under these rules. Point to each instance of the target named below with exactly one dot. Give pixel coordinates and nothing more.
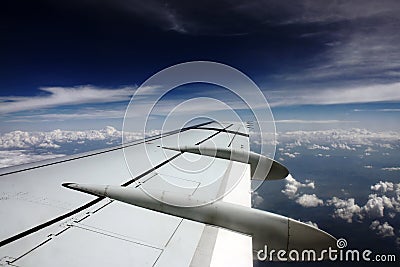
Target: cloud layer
(345, 209)
(21, 139)
(383, 230)
(384, 202)
(325, 140)
(307, 200)
(292, 187)
(17, 157)
(208, 17)
(19, 147)
(63, 96)
(345, 95)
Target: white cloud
(307, 200)
(363, 50)
(311, 223)
(380, 110)
(386, 201)
(315, 146)
(290, 155)
(18, 147)
(143, 105)
(358, 94)
(21, 139)
(342, 146)
(383, 230)
(383, 187)
(85, 113)
(182, 18)
(337, 139)
(313, 121)
(61, 96)
(391, 169)
(345, 209)
(389, 198)
(160, 14)
(389, 146)
(292, 186)
(375, 206)
(48, 144)
(17, 157)
(321, 155)
(256, 199)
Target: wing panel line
(223, 130)
(230, 143)
(113, 235)
(79, 209)
(174, 232)
(211, 136)
(26, 253)
(48, 223)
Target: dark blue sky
(300, 50)
(70, 43)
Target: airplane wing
(145, 203)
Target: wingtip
(278, 171)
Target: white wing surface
(45, 224)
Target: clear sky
(74, 64)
